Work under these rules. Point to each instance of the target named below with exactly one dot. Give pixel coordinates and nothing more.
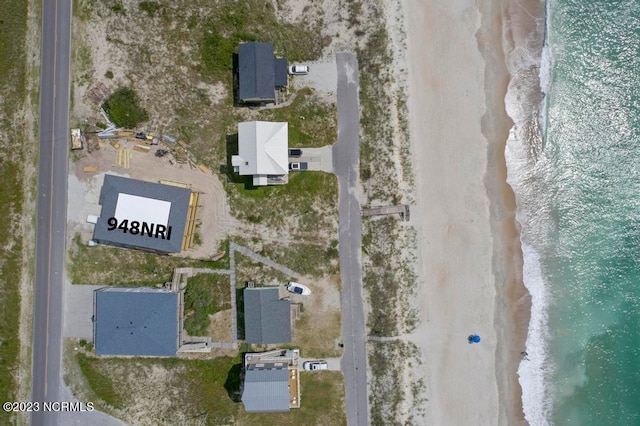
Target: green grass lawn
(205, 295)
(306, 207)
(201, 391)
(228, 23)
(322, 403)
(248, 269)
(128, 267)
(312, 123)
(305, 257)
(308, 195)
(13, 27)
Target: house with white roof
(263, 152)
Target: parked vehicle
(299, 69)
(141, 135)
(315, 365)
(295, 153)
(298, 166)
(297, 288)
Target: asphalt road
(346, 160)
(53, 156)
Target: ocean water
(577, 185)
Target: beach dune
(469, 256)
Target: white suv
(299, 69)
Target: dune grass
(13, 27)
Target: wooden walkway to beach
(262, 259)
(403, 210)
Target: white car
(297, 288)
(299, 69)
(315, 365)
(298, 166)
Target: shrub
(217, 53)
(118, 8)
(109, 74)
(123, 109)
(205, 295)
(150, 7)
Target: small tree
(123, 109)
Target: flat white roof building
(133, 207)
(142, 214)
(263, 152)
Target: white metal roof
(262, 147)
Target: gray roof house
(267, 319)
(259, 72)
(136, 321)
(266, 388)
(147, 215)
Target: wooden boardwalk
(403, 210)
(262, 259)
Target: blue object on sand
(474, 338)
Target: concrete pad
(333, 364)
(78, 310)
(323, 76)
(316, 158)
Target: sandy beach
(469, 256)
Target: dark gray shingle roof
(266, 390)
(136, 321)
(266, 318)
(256, 72)
(178, 197)
(281, 72)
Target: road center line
(51, 230)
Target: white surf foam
(546, 66)
(545, 76)
(534, 370)
(523, 154)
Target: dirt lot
(318, 330)
(214, 219)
